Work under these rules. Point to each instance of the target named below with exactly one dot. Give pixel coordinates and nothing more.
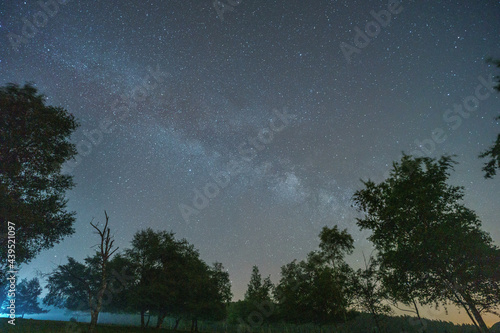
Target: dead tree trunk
(105, 252)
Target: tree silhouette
(170, 279)
(258, 289)
(34, 146)
(369, 291)
(105, 251)
(27, 294)
(493, 153)
(317, 290)
(258, 296)
(422, 230)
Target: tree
(402, 287)
(222, 283)
(422, 231)
(207, 293)
(162, 266)
(334, 245)
(221, 277)
(78, 286)
(171, 279)
(35, 145)
(317, 290)
(258, 297)
(27, 293)
(493, 153)
(73, 285)
(106, 250)
(311, 292)
(144, 260)
(369, 292)
(258, 289)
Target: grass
(360, 324)
(49, 326)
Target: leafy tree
(258, 299)
(221, 277)
(156, 260)
(144, 260)
(73, 285)
(422, 231)
(493, 153)
(402, 287)
(206, 297)
(335, 244)
(35, 144)
(311, 292)
(317, 290)
(258, 289)
(27, 293)
(171, 279)
(369, 292)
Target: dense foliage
(428, 241)
(34, 144)
(493, 153)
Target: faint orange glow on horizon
(454, 315)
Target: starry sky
(246, 126)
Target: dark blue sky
(169, 94)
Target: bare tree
(105, 251)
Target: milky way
(180, 103)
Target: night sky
(171, 95)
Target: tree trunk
(418, 315)
(149, 317)
(455, 293)
(375, 317)
(177, 321)
(142, 318)
(95, 312)
(194, 325)
(161, 317)
(94, 315)
(475, 313)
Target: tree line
(430, 248)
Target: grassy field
(361, 324)
(46, 326)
